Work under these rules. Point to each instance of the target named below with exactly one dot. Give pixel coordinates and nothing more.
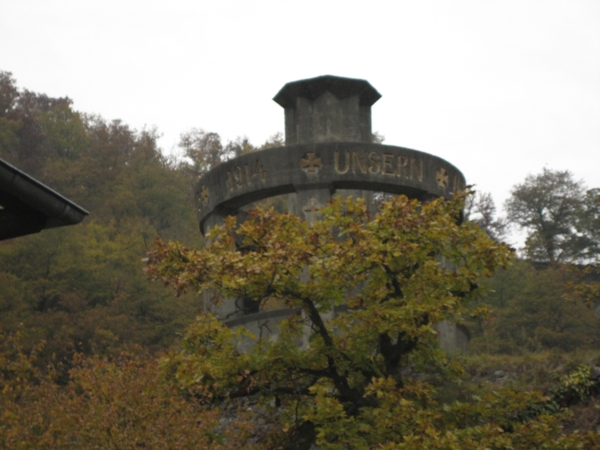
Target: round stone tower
(329, 150)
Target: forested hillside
(81, 324)
(82, 288)
(547, 300)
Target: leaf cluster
(367, 292)
(120, 402)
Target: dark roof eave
(22, 191)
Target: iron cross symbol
(311, 209)
(203, 196)
(442, 178)
(311, 163)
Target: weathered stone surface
(328, 150)
(452, 339)
(330, 166)
(327, 109)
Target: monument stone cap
(327, 109)
(313, 88)
(329, 148)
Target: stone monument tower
(320, 110)
(328, 150)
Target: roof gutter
(30, 206)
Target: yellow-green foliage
(361, 382)
(81, 288)
(122, 402)
(535, 309)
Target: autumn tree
(273, 141)
(107, 403)
(9, 125)
(390, 279)
(589, 225)
(8, 92)
(481, 209)
(204, 150)
(551, 207)
(533, 310)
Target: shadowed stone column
(325, 109)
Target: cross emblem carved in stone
(311, 163)
(311, 209)
(203, 196)
(442, 178)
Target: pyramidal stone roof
(313, 88)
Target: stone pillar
(325, 109)
(319, 110)
(325, 117)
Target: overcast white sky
(498, 88)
